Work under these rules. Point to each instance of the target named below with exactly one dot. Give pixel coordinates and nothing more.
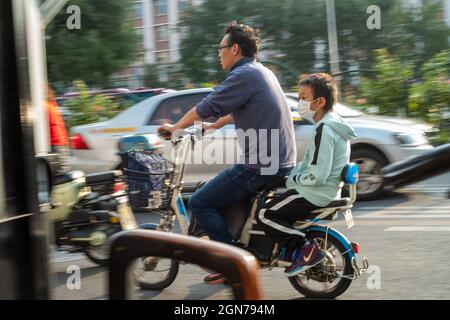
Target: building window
(162, 57)
(161, 7)
(162, 33)
(183, 5)
(137, 10)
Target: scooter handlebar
(164, 134)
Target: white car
(380, 141)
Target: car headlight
(432, 134)
(410, 139)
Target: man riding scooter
(252, 97)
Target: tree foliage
(430, 98)
(88, 108)
(389, 88)
(291, 30)
(105, 44)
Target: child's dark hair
(322, 85)
(246, 37)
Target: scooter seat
(107, 176)
(339, 203)
(335, 204)
(68, 177)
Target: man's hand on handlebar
(208, 127)
(165, 131)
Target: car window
(171, 110)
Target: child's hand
(308, 179)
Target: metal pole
(332, 40)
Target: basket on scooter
(148, 176)
(147, 173)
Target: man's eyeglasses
(222, 47)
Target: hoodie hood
(338, 124)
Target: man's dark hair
(322, 85)
(246, 37)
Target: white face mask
(304, 109)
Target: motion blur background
(399, 67)
(390, 57)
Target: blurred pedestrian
(59, 139)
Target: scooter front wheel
(155, 273)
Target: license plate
(349, 218)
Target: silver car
(381, 140)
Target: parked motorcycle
(83, 219)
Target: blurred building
(158, 23)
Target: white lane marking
(440, 190)
(418, 229)
(66, 257)
(411, 211)
(405, 212)
(433, 189)
(405, 208)
(426, 188)
(408, 216)
(431, 186)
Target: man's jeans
(230, 186)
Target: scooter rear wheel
(312, 284)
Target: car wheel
(370, 163)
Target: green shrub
(87, 108)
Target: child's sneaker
(310, 255)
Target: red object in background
(77, 142)
(58, 133)
(118, 186)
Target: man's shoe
(214, 278)
(310, 255)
